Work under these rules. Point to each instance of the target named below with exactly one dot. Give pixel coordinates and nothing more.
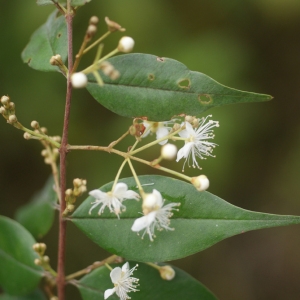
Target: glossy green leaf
(73, 2)
(161, 88)
(18, 273)
(202, 221)
(48, 40)
(37, 216)
(151, 285)
(36, 295)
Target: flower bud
(201, 183)
(35, 125)
(27, 136)
(91, 30)
(113, 26)
(5, 101)
(94, 20)
(46, 259)
(79, 80)
(69, 192)
(12, 119)
(126, 44)
(44, 130)
(12, 106)
(77, 182)
(2, 110)
(70, 207)
(56, 60)
(37, 262)
(167, 272)
(168, 151)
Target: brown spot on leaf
(160, 59)
(184, 83)
(205, 99)
(151, 77)
(59, 35)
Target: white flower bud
(27, 136)
(91, 30)
(201, 183)
(168, 151)
(79, 80)
(94, 20)
(126, 44)
(12, 119)
(167, 272)
(35, 125)
(2, 110)
(44, 130)
(5, 100)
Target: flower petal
(158, 196)
(115, 274)
(120, 189)
(109, 292)
(184, 151)
(160, 133)
(97, 194)
(125, 267)
(143, 222)
(131, 195)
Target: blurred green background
(250, 45)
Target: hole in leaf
(151, 77)
(184, 83)
(161, 59)
(205, 99)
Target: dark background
(249, 45)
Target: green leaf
(152, 286)
(36, 295)
(18, 273)
(48, 40)
(37, 216)
(161, 88)
(202, 221)
(73, 2)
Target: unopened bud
(91, 30)
(167, 272)
(27, 136)
(69, 192)
(44, 130)
(56, 138)
(70, 207)
(94, 20)
(44, 153)
(168, 151)
(113, 26)
(77, 182)
(12, 106)
(201, 183)
(79, 80)
(176, 126)
(46, 259)
(2, 110)
(37, 262)
(56, 60)
(35, 125)
(5, 101)
(126, 44)
(12, 119)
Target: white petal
(189, 128)
(125, 267)
(109, 292)
(143, 222)
(159, 199)
(160, 133)
(131, 195)
(147, 130)
(115, 274)
(97, 194)
(184, 151)
(120, 189)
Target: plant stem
(95, 265)
(63, 153)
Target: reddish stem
(63, 154)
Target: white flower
(196, 143)
(79, 80)
(201, 183)
(160, 128)
(155, 215)
(122, 281)
(113, 200)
